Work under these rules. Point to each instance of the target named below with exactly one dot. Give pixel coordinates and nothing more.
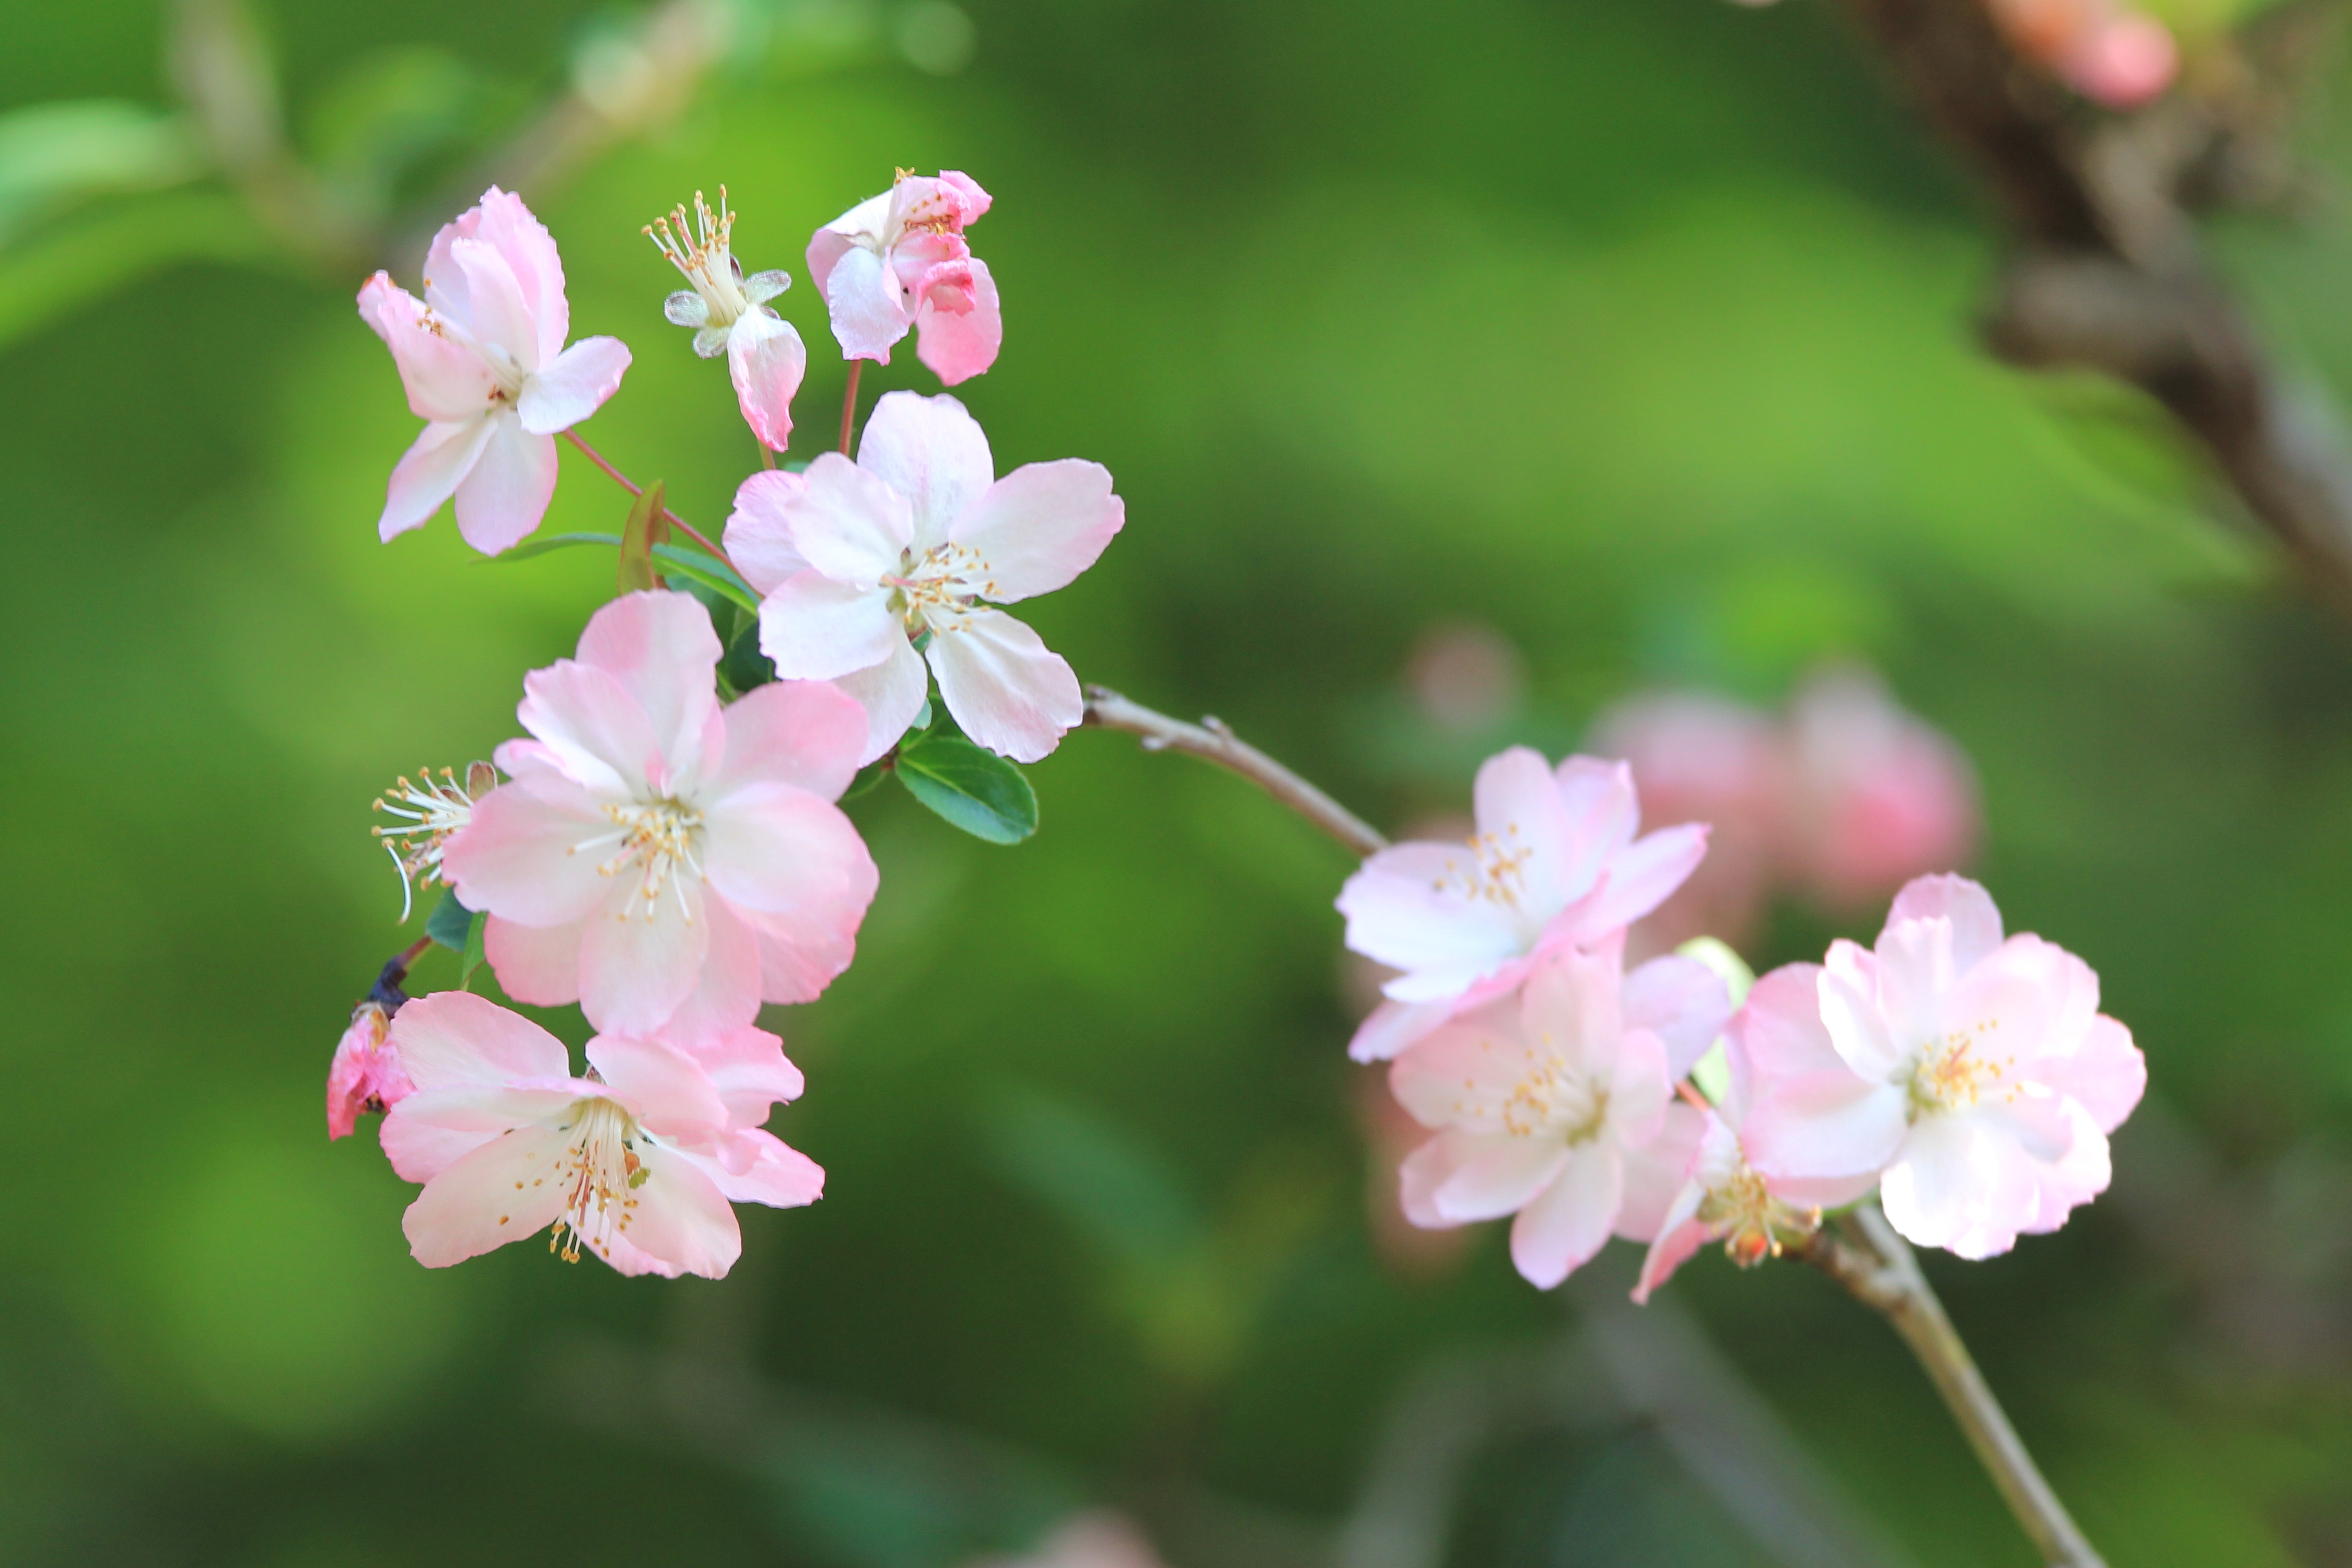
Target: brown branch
(1213, 741)
(1864, 1254)
(2107, 274)
(634, 488)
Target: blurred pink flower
(636, 1164)
(909, 540)
(483, 360)
(366, 1074)
(1704, 758)
(1976, 1076)
(899, 261)
(730, 313)
(2111, 55)
(1554, 864)
(1875, 797)
(1466, 677)
(662, 861)
(1535, 1100)
(1099, 1538)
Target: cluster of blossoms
(1843, 796)
(1968, 1078)
(663, 851)
(666, 849)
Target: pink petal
(1392, 1026)
(1598, 800)
(593, 728)
(2106, 1077)
(660, 648)
(1037, 527)
(1639, 1090)
(503, 1191)
(975, 201)
(1681, 1000)
(862, 300)
(765, 359)
(1848, 990)
(2030, 1000)
(727, 992)
(1008, 691)
(776, 1174)
(572, 385)
(1518, 811)
(1570, 1005)
(1567, 1224)
(682, 1220)
(759, 535)
(1658, 1172)
(1643, 877)
(429, 473)
(1914, 977)
(807, 734)
(752, 1073)
(848, 524)
(445, 380)
(891, 695)
(519, 859)
(528, 250)
(639, 961)
(1418, 1178)
(664, 1087)
(455, 1038)
(496, 315)
(1466, 1073)
(1780, 1030)
(1824, 1125)
(800, 953)
(1679, 1239)
(1488, 1177)
(959, 345)
(442, 1126)
(505, 495)
(790, 855)
(1960, 1186)
(1976, 922)
(815, 628)
(538, 965)
(931, 451)
(1406, 908)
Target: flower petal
(503, 1191)
(931, 451)
(727, 993)
(1682, 1001)
(1393, 1027)
(1642, 878)
(1567, 1224)
(446, 381)
(682, 1220)
(2106, 1077)
(1008, 691)
(640, 958)
(661, 649)
(1520, 819)
(960, 344)
(815, 628)
(1037, 527)
(805, 734)
(776, 1173)
(1824, 1125)
(793, 856)
(1658, 1172)
(519, 859)
(1406, 907)
(1492, 1177)
(1976, 922)
(497, 314)
(572, 385)
(504, 496)
(429, 473)
(664, 1088)
(759, 535)
(863, 298)
(592, 727)
(847, 524)
(765, 359)
(891, 695)
(455, 1038)
(535, 964)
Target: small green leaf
(450, 923)
(868, 780)
(644, 529)
(556, 542)
(745, 666)
(472, 958)
(708, 569)
(976, 790)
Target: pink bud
(1876, 796)
(2124, 62)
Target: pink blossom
(1554, 864)
(1536, 1101)
(2110, 54)
(637, 1163)
(366, 1074)
(1704, 759)
(1099, 1539)
(1875, 797)
(919, 536)
(483, 360)
(1975, 1076)
(899, 261)
(662, 861)
(730, 314)
(1720, 1197)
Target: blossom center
(600, 1172)
(935, 591)
(700, 250)
(660, 843)
(429, 811)
(1953, 1072)
(1752, 1222)
(1494, 871)
(1554, 1100)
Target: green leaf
(451, 924)
(556, 542)
(708, 569)
(644, 529)
(472, 958)
(976, 790)
(745, 666)
(54, 155)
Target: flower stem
(625, 482)
(849, 405)
(1878, 1266)
(767, 458)
(1214, 741)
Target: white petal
(1008, 691)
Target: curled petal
(957, 345)
(765, 360)
(862, 296)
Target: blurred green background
(1634, 329)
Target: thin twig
(1878, 1266)
(849, 405)
(625, 482)
(2109, 274)
(1212, 740)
